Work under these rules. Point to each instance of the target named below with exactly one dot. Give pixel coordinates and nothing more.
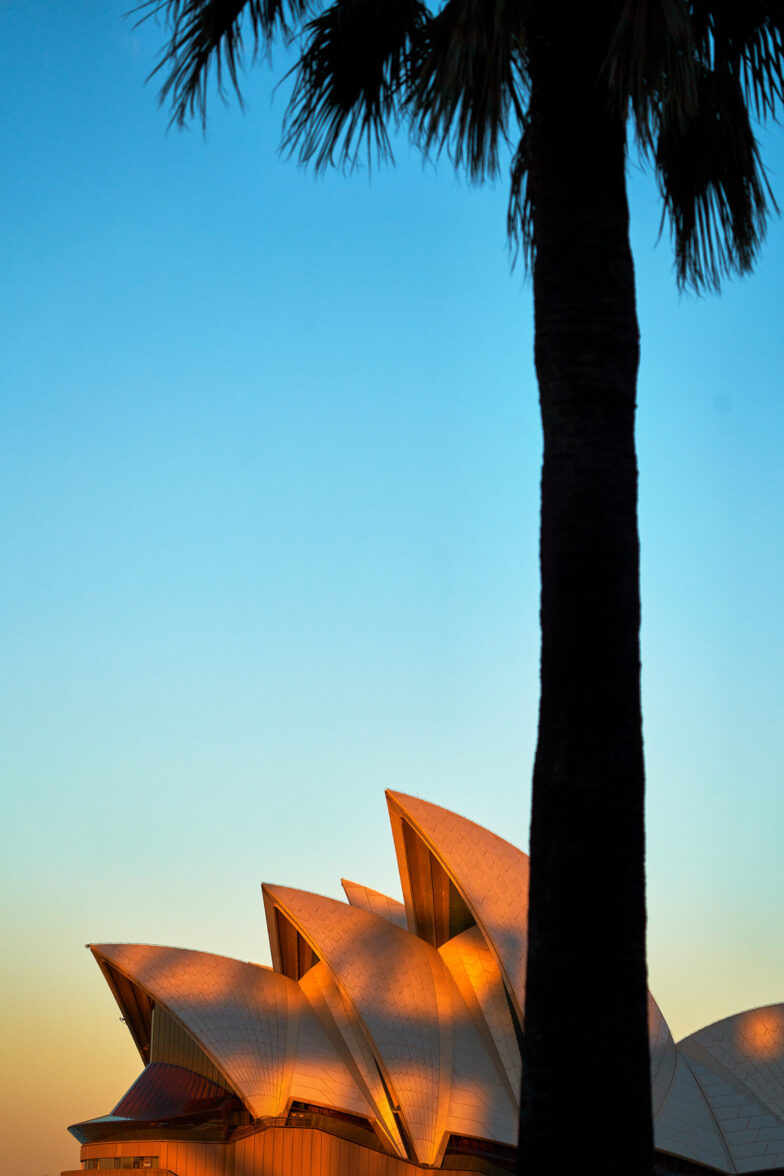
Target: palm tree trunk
(586, 1085)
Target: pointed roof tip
(347, 885)
(376, 902)
(401, 797)
(273, 891)
(275, 888)
(349, 882)
(404, 802)
(103, 949)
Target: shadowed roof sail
(243, 1016)
(434, 1062)
(349, 1036)
(389, 977)
(252, 1023)
(664, 1055)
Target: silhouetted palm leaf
(469, 77)
(713, 184)
(688, 71)
(748, 39)
(349, 79)
(209, 32)
(651, 61)
(519, 211)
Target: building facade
(385, 1039)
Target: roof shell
(252, 1023)
(435, 1064)
(739, 1064)
(664, 1054)
(475, 971)
(414, 1029)
(243, 1016)
(490, 874)
(389, 978)
(344, 1026)
(684, 1125)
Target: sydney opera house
(385, 1038)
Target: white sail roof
(739, 1064)
(490, 874)
(388, 976)
(251, 1022)
(410, 1016)
(435, 1064)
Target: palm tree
(568, 82)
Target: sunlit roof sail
(489, 875)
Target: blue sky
(270, 462)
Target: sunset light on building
(386, 1037)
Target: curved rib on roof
(474, 969)
(683, 1124)
(348, 1035)
(434, 1063)
(389, 978)
(321, 1075)
(246, 1018)
(490, 875)
(739, 1064)
(664, 1055)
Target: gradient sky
(269, 516)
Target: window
(121, 1162)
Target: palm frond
(519, 210)
(713, 183)
(349, 80)
(747, 39)
(207, 33)
(652, 61)
(763, 69)
(469, 76)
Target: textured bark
(586, 1085)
